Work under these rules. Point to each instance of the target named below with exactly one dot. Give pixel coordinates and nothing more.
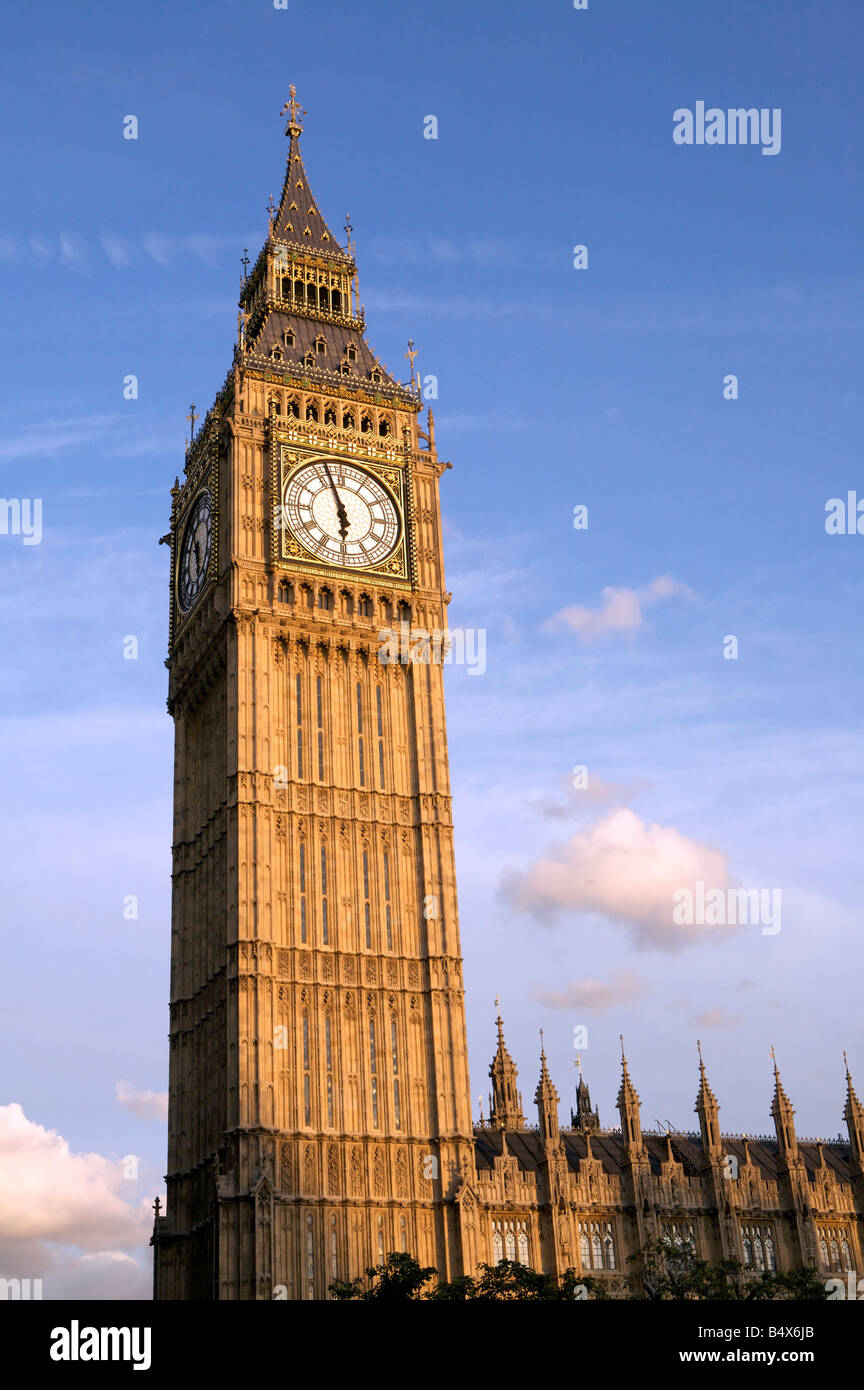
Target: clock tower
(319, 1097)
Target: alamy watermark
(22, 516)
(722, 907)
(416, 646)
(737, 126)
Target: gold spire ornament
(294, 110)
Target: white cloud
(147, 1105)
(625, 870)
(622, 610)
(595, 996)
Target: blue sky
(557, 387)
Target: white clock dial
(341, 513)
(195, 550)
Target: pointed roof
(502, 1061)
(706, 1099)
(298, 221)
(545, 1089)
(781, 1105)
(853, 1109)
(627, 1094)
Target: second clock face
(341, 513)
(195, 552)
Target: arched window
(364, 606)
(325, 599)
(597, 1251)
(366, 424)
(299, 291)
(497, 1243)
(336, 301)
(758, 1251)
(384, 426)
(403, 612)
(334, 1249)
(286, 591)
(846, 1253)
(835, 1255)
(770, 1255)
(609, 1247)
(286, 287)
(523, 1245)
(312, 412)
(584, 1250)
(510, 1241)
(330, 416)
(307, 1097)
(373, 1071)
(823, 1253)
(348, 420)
(324, 298)
(387, 917)
(321, 347)
(292, 408)
(328, 1056)
(403, 1225)
(351, 352)
(312, 295)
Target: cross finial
(244, 261)
(348, 230)
(270, 210)
(411, 354)
(157, 1206)
(294, 110)
(192, 417)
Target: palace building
(319, 1098)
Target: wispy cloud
(622, 611)
(147, 1105)
(595, 996)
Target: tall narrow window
(324, 925)
(303, 891)
(380, 1240)
(310, 1258)
(320, 702)
(397, 1112)
(380, 736)
(334, 1249)
(403, 1228)
(328, 1054)
(367, 910)
(510, 1241)
(387, 918)
(299, 725)
(373, 1069)
(307, 1097)
(360, 735)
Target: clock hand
(344, 523)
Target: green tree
(667, 1270)
(399, 1277)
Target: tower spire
(853, 1114)
(708, 1111)
(628, 1107)
(505, 1102)
(546, 1100)
(586, 1120)
(783, 1115)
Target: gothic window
(384, 426)
(324, 924)
(596, 1251)
(312, 295)
(285, 289)
(373, 1072)
(321, 347)
(509, 1240)
(366, 424)
(299, 697)
(307, 1097)
(497, 1243)
(380, 1240)
(360, 734)
(276, 354)
(324, 298)
(334, 1249)
(834, 1252)
(348, 420)
(286, 591)
(380, 715)
(584, 1250)
(308, 596)
(388, 924)
(290, 340)
(328, 1056)
(403, 1230)
(351, 352)
(376, 376)
(845, 1253)
(367, 911)
(310, 1258)
(758, 1252)
(396, 1096)
(319, 702)
(299, 290)
(609, 1248)
(823, 1253)
(336, 301)
(293, 408)
(770, 1255)
(311, 409)
(364, 606)
(835, 1255)
(275, 405)
(404, 612)
(523, 1244)
(303, 891)
(326, 600)
(330, 416)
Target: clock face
(195, 551)
(341, 513)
